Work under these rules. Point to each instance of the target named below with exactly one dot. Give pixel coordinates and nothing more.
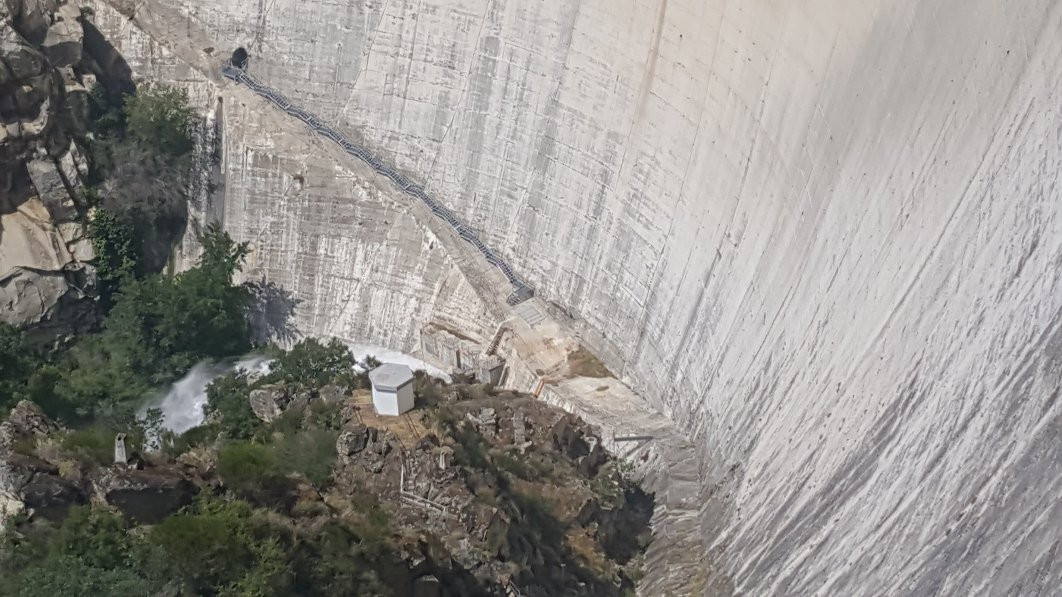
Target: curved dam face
(823, 237)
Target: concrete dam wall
(823, 237)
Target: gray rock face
(352, 441)
(27, 482)
(147, 496)
(269, 402)
(51, 496)
(362, 445)
(823, 237)
(62, 43)
(45, 271)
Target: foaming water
(386, 355)
(182, 405)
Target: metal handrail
(521, 291)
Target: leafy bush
(203, 435)
(92, 553)
(311, 453)
(339, 562)
(245, 466)
(312, 365)
(288, 422)
(324, 415)
(222, 547)
(99, 538)
(160, 327)
(159, 118)
(115, 248)
(93, 444)
(106, 115)
(14, 366)
(140, 157)
(228, 401)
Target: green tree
(115, 248)
(99, 538)
(159, 327)
(228, 403)
(311, 365)
(245, 466)
(338, 562)
(141, 155)
(107, 117)
(14, 366)
(311, 453)
(159, 117)
(91, 553)
(69, 575)
(223, 547)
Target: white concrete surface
(824, 237)
(392, 403)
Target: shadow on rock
(271, 310)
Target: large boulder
(352, 441)
(31, 17)
(22, 59)
(366, 446)
(427, 586)
(51, 496)
(63, 41)
(146, 496)
(28, 420)
(29, 483)
(568, 438)
(268, 402)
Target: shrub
(99, 538)
(14, 366)
(228, 400)
(94, 444)
(115, 248)
(312, 365)
(311, 453)
(288, 422)
(91, 553)
(203, 435)
(210, 546)
(159, 118)
(245, 466)
(324, 415)
(158, 328)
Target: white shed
(392, 389)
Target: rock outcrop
(26, 481)
(46, 276)
(365, 445)
(146, 496)
(270, 401)
(45, 483)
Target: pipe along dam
(817, 245)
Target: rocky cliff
(824, 237)
(45, 275)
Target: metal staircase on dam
(521, 291)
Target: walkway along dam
(822, 240)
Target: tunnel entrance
(239, 58)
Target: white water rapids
(182, 403)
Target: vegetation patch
(582, 363)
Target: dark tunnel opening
(239, 58)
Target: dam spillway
(824, 238)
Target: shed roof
(390, 376)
